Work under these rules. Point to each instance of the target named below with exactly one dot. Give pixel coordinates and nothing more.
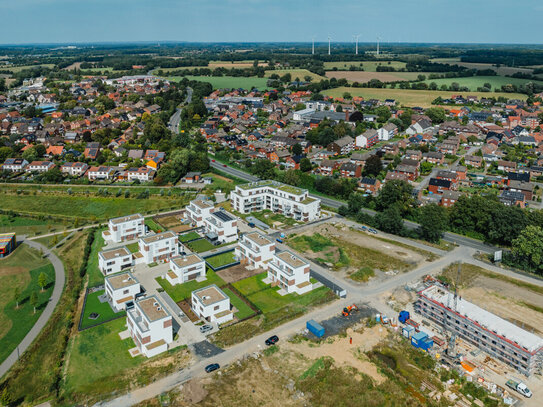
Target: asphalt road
(173, 124)
(47, 312)
(333, 203)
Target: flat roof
(484, 318)
(273, 184)
(210, 295)
(113, 253)
(223, 216)
(258, 238)
(152, 308)
(158, 237)
(200, 203)
(184, 261)
(291, 259)
(122, 280)
(127, 218)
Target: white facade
(290, 272)
(39, 166)
(75, 169)
(14, 164)
(277, 197)
(186, 268)
(143, 174)
(161, 246)
(100, 173)
(222, 226)
(114, 260)
(150, 326)
(122, 289)
(212, 304)
(125, 228)
(255, 250)
(361, 141)
(198, 210)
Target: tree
(383, 114)
(30, 154)
(17, 296)
(34, 300)
(6, 398)
(297, 149)
(5, 152)
(390, 220)
(433, 221)
(292, 177)
(42, 280)
(373, 166)
(436, 114)
(305, 165)
(528, 246)
(395, 192)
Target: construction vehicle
(519, 387)
(349, 310)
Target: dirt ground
(363, 77)
(185, 307)
(236, 273)
(344, 353)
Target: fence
(224, 266)
(340, 291)
(87, 292)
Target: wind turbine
(313, 47)
(356, 37)
(329, 39)
(378, 40)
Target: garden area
(180, 292)
(201, 245)
(187, 237)
(95, 275)
(221, 260)
(102, 310)
(20, 293)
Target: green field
(220, 260)
(474, 82)
(180, 292)
(369, 66)
(227, 82)
(21, 269)
(104, 310)
(407, 97)
(244, 310)
(97, 355)
(95, 275)
(93, 208)
(29, 226)
(295, 73)
(16, 69)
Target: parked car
(205, 328)
(363, 227)
(272, 340)
(212, 161)
(212, 367)
(251, 224)
(373, 231)
(224, 165)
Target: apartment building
(115, 260)
(280, 198)
(121, 290)
(290, 272)
(198, 210)
(125, 228)
(212, 304)
(221, 226)
(150, 326)
(159, 247)
(499, 338)
(186, 268)
(255, 250)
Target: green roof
(275, 184)
(308, 200)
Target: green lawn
(93, 304)
(179, 292)
(97, 355)
(95, 275)
(200, 246)
(189, 236)
(244, 310)
(16, 322)
(251, 285)
(227, 82)
(29, 226)
(269, 218)
(474, 82)
(133, 247)
(220, 260)
(151, 224)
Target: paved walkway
(47, 312)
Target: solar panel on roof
(223, 216)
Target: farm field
(409, 97)
(295, 73)
(475, 82)
(21, 270)
(16, 69)
(502, 70)
(227, 82)
(369, 66)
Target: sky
(435, 21)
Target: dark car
(272, 340)
(212, 367)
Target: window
(125, 292)
(215, 308)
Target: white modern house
(121, 289)
(255, 250)
(159, 247)
(290, 272)
(14, 164)
(212, 304)
(277, 197)
(221, 226)
(186, 268)
(125, 228)
(150, 326)
(198, 210)
(115, 260)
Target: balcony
(138, 320)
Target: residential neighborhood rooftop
(124, 219)
(114, 253)
(152, 308)
(122, 280)
(210, 295)
(189, 260)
